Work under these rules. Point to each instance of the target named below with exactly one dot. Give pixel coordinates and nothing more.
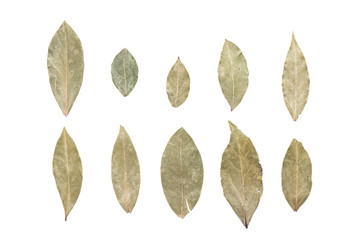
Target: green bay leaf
(65, 63)
(67, 170)
(178, 84)
(181, 173)
(241, 175)
(124, 72)
(295, 80)
(125, 171)
(233, 74)
(296, 175)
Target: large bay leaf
(181, 173)
(67, 169)
(296, 175)
(241, 175)
(125, 170)
(65, 63)
(178, 84)
(233, 74)
(295, 80)
(124, 72)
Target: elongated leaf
(296, 175)
(233, 74)
(125, 170)
(178, 84)
(65, 63)
(67, 169)
(241, 175)
(124, 72)
(181, 173)
(295, 80)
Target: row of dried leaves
(66, 66)
(181, 167)
(182, 173)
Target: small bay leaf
(295, 80)
(124, 72)
(67, 169)
(125, 170)
(233, 74)
(241, 175)
(181, 173)
(296, 175)
(178, 84)
(65, 64)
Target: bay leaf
(295, 80)
(125, 170)
(181, 173)
(124, 72)
(241, 175)
(296, 175)
(65, 64)
(233, 74)
(178, 84)
(67, 169)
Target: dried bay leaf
(124, 72)
(296, 175)
(125, 170)
(241, 175)
(178, 84)
(233, 74)
(67, 169)
(295, 80)
(65, 63)
(181, 173)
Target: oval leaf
(124, 72)
(65, 63)
(233, 74)
(295, 80)
(241, 175)
(125, 170)
(296, 175)
(67, 169)
(181, 173)
(178, 84)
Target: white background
(156, 33)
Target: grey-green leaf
(125, 170)
(178, 84)
(65, 63)
(124, 72)
(296, 175)
(241, 175)
(67, 169)
(295, 80)
(181, 173)
(233, 74)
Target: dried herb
(295, 80)
(124, 72)
(296, 175)
(125, 170)
(65, 63)
(233, 74)
(241, 175)
(67, 169)
(181, 173)
(178, 84)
